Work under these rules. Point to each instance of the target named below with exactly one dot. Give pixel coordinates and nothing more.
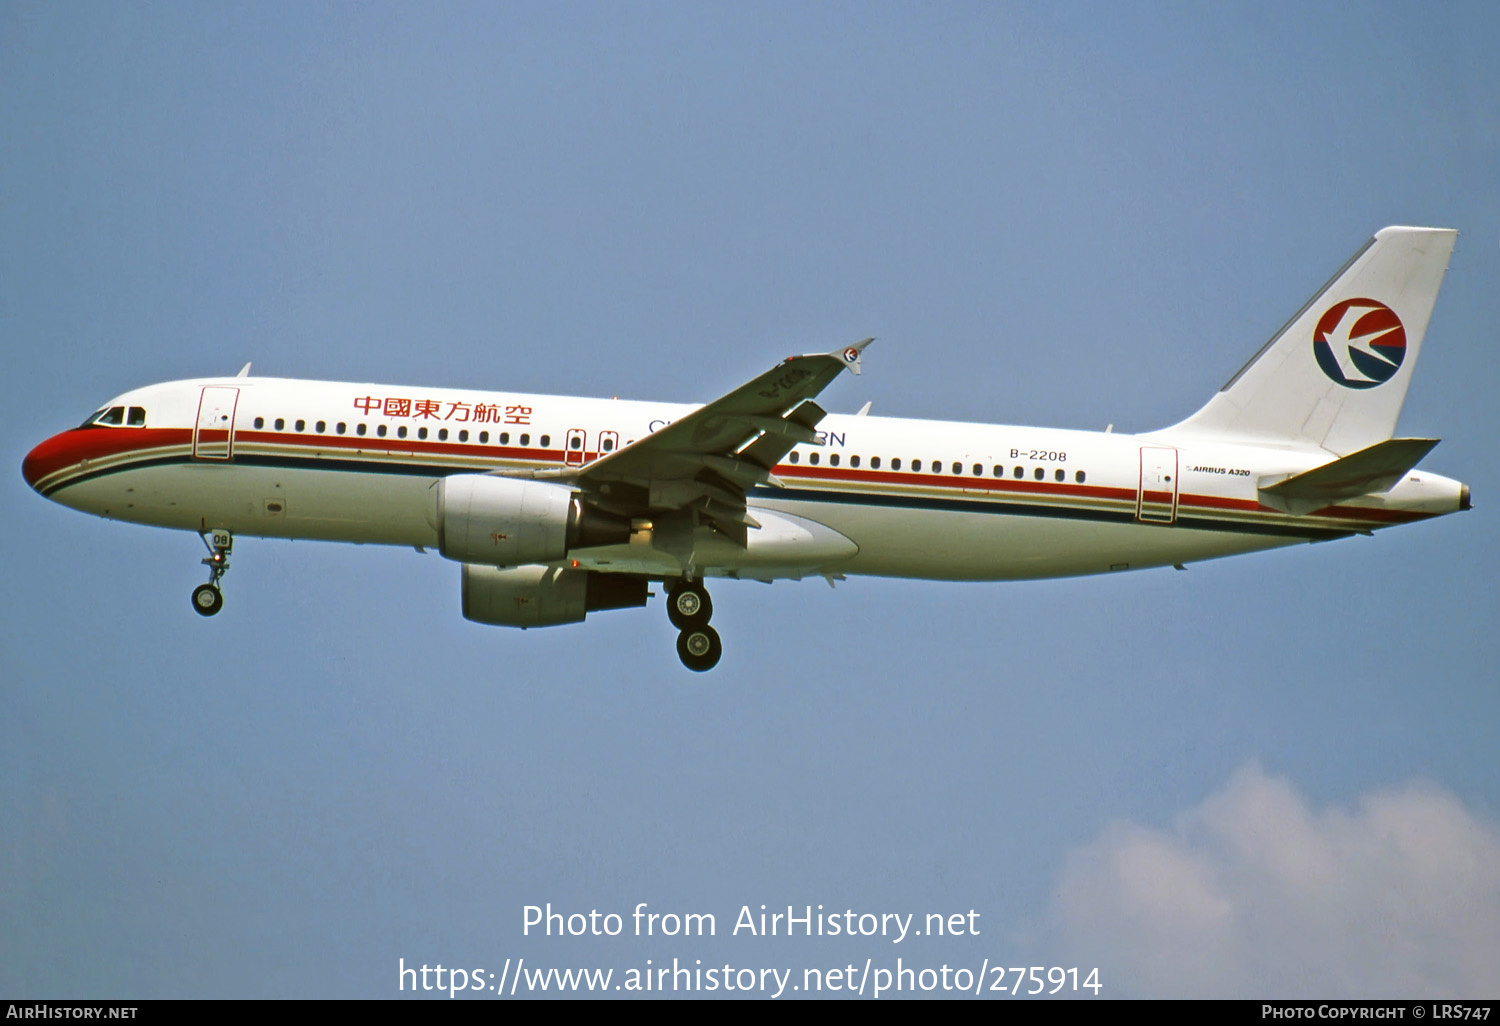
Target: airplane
(558, 507)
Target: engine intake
(541, 596)
(504, 521)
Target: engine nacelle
(541, 596)
(505, 521)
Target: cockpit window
(118, 416)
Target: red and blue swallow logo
(1359, 343)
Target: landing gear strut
(688, 607)
(207, 598)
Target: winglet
(244, 372)
(850, 355)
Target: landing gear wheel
(688, 606)
(207, 600)
(699, 648)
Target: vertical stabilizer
(1335, 376)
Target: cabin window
(526, 439)
(260, 422)
(958, 468)
(359, 429)
(937, 466)
(978, 470)
(1040, 473)
(575, 443)
(505, 438)
(546, 441)
(813, 458)
(301, 425)
(1061, 475)
(794, 456)
(609, 445)
(401, 431)
(896, 463)
(442, 434)
(321, 426)
(999, 470)
(1080, 477)
(339, 427)
(422, 433)
(1020, 473)
(853, 461)
(916, 466)
(380, 430)
(463, 436)
(280, 424)
(874, 462)
(833, 460)
(484, 437)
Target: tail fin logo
(1359, 343)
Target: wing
(707, 461)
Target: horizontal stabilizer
(1372, 470)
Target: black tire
(688, 606)
(207, 600)
(699, 648)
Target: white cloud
(1254, 894)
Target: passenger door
(1156, 502)
(213, 434)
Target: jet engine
(540, 596)
(504, 521)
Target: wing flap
(769, 449)
(707, 460)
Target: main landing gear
(207, 598)
(689, 608)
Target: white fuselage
(931, 499)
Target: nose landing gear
(688, 607)
(207, 598)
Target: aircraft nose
(31, 466)
(43, 460)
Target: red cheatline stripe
(73, 447)
(1220, 502)
(409, 446)
(989, 484)
(70, 448)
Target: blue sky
(1267, 775)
